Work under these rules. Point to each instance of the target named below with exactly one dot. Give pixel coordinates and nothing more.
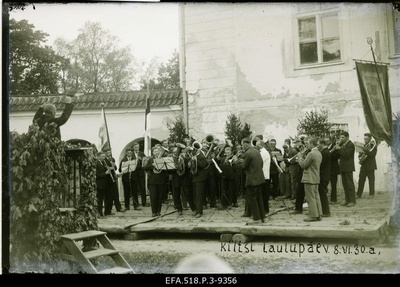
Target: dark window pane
(397, 41)
(308, 53)
(330, 50)
(307, 29)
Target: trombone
(301, 153)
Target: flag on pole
(147, 127)
(374, 88)
(103, 132)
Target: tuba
(369, 146)
(193, 161)
(179, 161)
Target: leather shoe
(137, 208)
(121, 210)
(351, 204)
(309, 219)
(110, 213)
(245, 215)
(198, 215)
(295, 212)
(326, 215)
(344, 204)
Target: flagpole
(369, 41)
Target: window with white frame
(318, 38)
(394, 33)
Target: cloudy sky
(150, 29)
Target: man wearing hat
(47, 114)
(130, 187)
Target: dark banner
(375, 97)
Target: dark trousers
(284, 184)
(176, 194)
(101, 194)
(156, 193)
(266, 189)
(228, 186)
(275, 184)
(255, 201)
(211, 192)
(130, 190)
(108, 200)
(142, 190)
(348, 186)
(323, 195)
(333, 180)
(361, 181)
(115, 195)
(198, 192)
(188, 192)
(294, 172)
(300, 195)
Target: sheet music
(165, 163)
(129, 166)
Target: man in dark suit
(294, 170)
(46, 113)
(324, 175)
(334, 170)
(112, 180)
(156, 183)
(346, 150)
(252, 163)
(368, 166)
(103, 196)
(138, 176)
(130, 187)
(274, 171)
(311, 179)
(199, 180)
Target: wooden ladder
(75, 253)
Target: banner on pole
(374, 87)
(103, 138)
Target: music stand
(128, 166)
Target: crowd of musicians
(214, 174)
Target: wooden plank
(82, 235)
(117, 257)
(116, 270)
(99, 252)
(80, 258)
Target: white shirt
(266, 162)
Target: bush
(39, 178)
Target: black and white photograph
(216, 139)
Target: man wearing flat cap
(47, 114)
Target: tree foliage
(167, 75)
(177, 130)
(39, 178)
(315, 123)
(235, 130)
(95, 62)
(34, 66)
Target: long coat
(253, 164)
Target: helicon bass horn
(179, 161)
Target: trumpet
(110, 169)
(301, 153)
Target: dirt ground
(265, 255)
